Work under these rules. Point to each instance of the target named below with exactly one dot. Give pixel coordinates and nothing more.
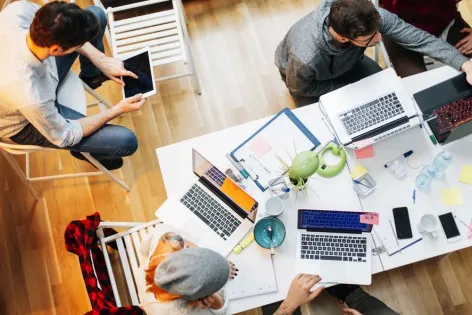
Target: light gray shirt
(27, 85)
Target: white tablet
(140, 64)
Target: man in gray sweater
(325, 50)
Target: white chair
(164, 32)
(128, 243)
(71, 92)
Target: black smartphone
(450, 227)
(402, 223)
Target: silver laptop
(214, 212)
(370, 110)
(335, 245)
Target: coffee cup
(428, 226)
(274, 206)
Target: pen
(391, 226)
(430, 133)
(405, 155)
(360, 183)
(414, 196)
(244, 243)
(238, 167)
(405, 247)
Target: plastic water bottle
(425, 177)
(441, 163)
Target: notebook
(256, 273)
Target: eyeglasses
(368, 42)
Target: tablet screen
(140, 66)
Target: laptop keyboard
(210, 211)
(372, 113)
(216, 175)
(333, 247)
(332, 220)
(453, 114)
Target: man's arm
(66, 132)
(113, 68)
(414, 39)
(301, 79)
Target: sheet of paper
(259, 146)
(469, 232)
(452, 196)
(365, 153)
(256, 273)
(466, 175)
(370, 218)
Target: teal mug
(261, 234)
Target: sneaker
(341, 291)
(94, 82)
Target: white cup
(274, 206)
(428, 226)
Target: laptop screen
(331, 221)
(204, 169)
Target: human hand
(299, 291)
(350, 311)
(214, 301)
(232, 270)
(131, 104)
(465, 45)
(467, 68)
(113, 68)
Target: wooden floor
(234, 43)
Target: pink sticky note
(365, 153)
(370, 218)
(259, 146)
(469, 233)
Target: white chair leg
(96, 95)
(189, 47)
(20, 173)
(104, 170)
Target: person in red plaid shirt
(441, 18)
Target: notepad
(365, 153)
(466, 175)
(256, 273)
(452, 196)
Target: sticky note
(259, 146)
(466, 175)
(370, 218)
(358, 171)
(365, 153)
(238, 195)
(452, 196)
(469, 232)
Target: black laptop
(451, 103)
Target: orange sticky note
(365, 153)
(237, 194)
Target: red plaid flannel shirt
(431, 16)
(81, 240)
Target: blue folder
(296, 122)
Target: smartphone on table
(450, 227)
(402, 223)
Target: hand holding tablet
(140, 64)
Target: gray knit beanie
(193, 273)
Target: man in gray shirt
(325, 50)
(39, 46)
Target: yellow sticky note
(466, 175)
(452, 196)
(358, 171)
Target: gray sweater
(311, 62)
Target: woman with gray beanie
(186, 280)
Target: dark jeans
(362, 69)
(407, 62)
(359, 300)
(109, 141)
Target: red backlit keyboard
(453, 114)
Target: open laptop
(214, 211)
(335, 245)
(370, 110)
(451, 103)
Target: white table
(175, 163)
